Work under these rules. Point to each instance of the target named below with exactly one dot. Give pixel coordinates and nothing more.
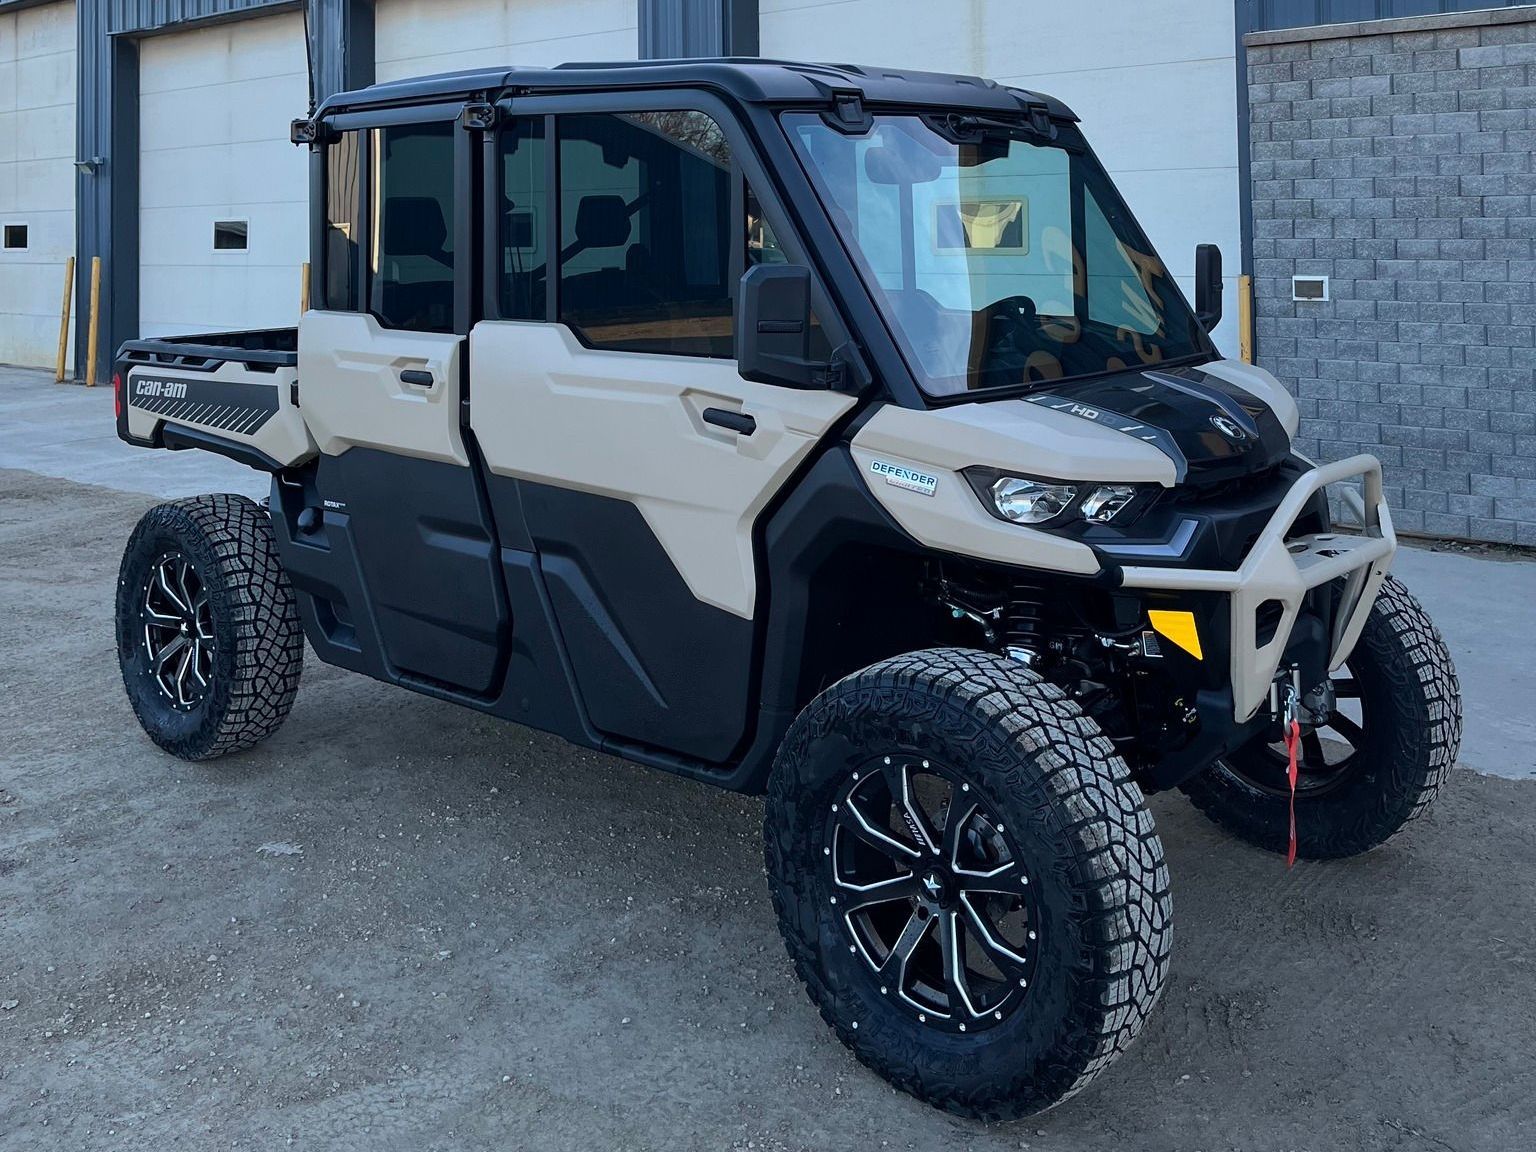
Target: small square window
(1309, 287)
(15, 237)
(231, 235)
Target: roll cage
(746, 97)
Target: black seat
(415, 290)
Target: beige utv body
(630, 427)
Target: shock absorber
(1022, 621)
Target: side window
(524, 211)
(410, 255)
(762, 243)
(343, 173)
(646, 234)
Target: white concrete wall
(420, 37)
(1155, 85)
(215, 105)
(37, 176)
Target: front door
(606, 394)
(381, 389)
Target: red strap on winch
(1292, 743)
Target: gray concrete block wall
(1401, 166)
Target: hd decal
(220, 405)
(1159, 438)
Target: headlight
(1056, 503)
(1106, 501)
(1030, 501)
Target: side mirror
(773, 328)
(1208, 285)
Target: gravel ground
(402, 925)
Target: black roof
(748, 79)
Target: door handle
(738, 422)
(418, 377)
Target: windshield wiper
(969, 127)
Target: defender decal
(908, 478)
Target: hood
(1212, 430)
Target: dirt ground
(465, 934)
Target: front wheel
(208, 633)
(1378, 763)
(967, 880)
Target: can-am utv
(817, 430)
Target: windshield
(1002, 262)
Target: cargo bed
(234, 393)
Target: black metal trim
(213, 349)
(467, 254)
(319, 208)
(551, 218)
(179, 436)
(490, 219)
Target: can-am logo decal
(908, 478)
(228, 406)
(145, 388)
(1229, 428)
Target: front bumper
(1282, 568)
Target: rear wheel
(1379, 762)
(967, 880)
(208, 634)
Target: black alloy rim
(178, 630)
(1329, 753)
(932, 894)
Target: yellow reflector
(1178, 627)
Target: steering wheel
(1012, 327)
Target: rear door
(382, 380)
(607, 398)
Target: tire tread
(260, 605)
(1121, 880)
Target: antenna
(309, 61)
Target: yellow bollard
(69, 293)
(303, 287)
(1245, 319)
(95, 323)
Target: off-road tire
(258, 648)
(1412, 734)
(1083, 830)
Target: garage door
(37, 177)
(223, 195)
(419, 37)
